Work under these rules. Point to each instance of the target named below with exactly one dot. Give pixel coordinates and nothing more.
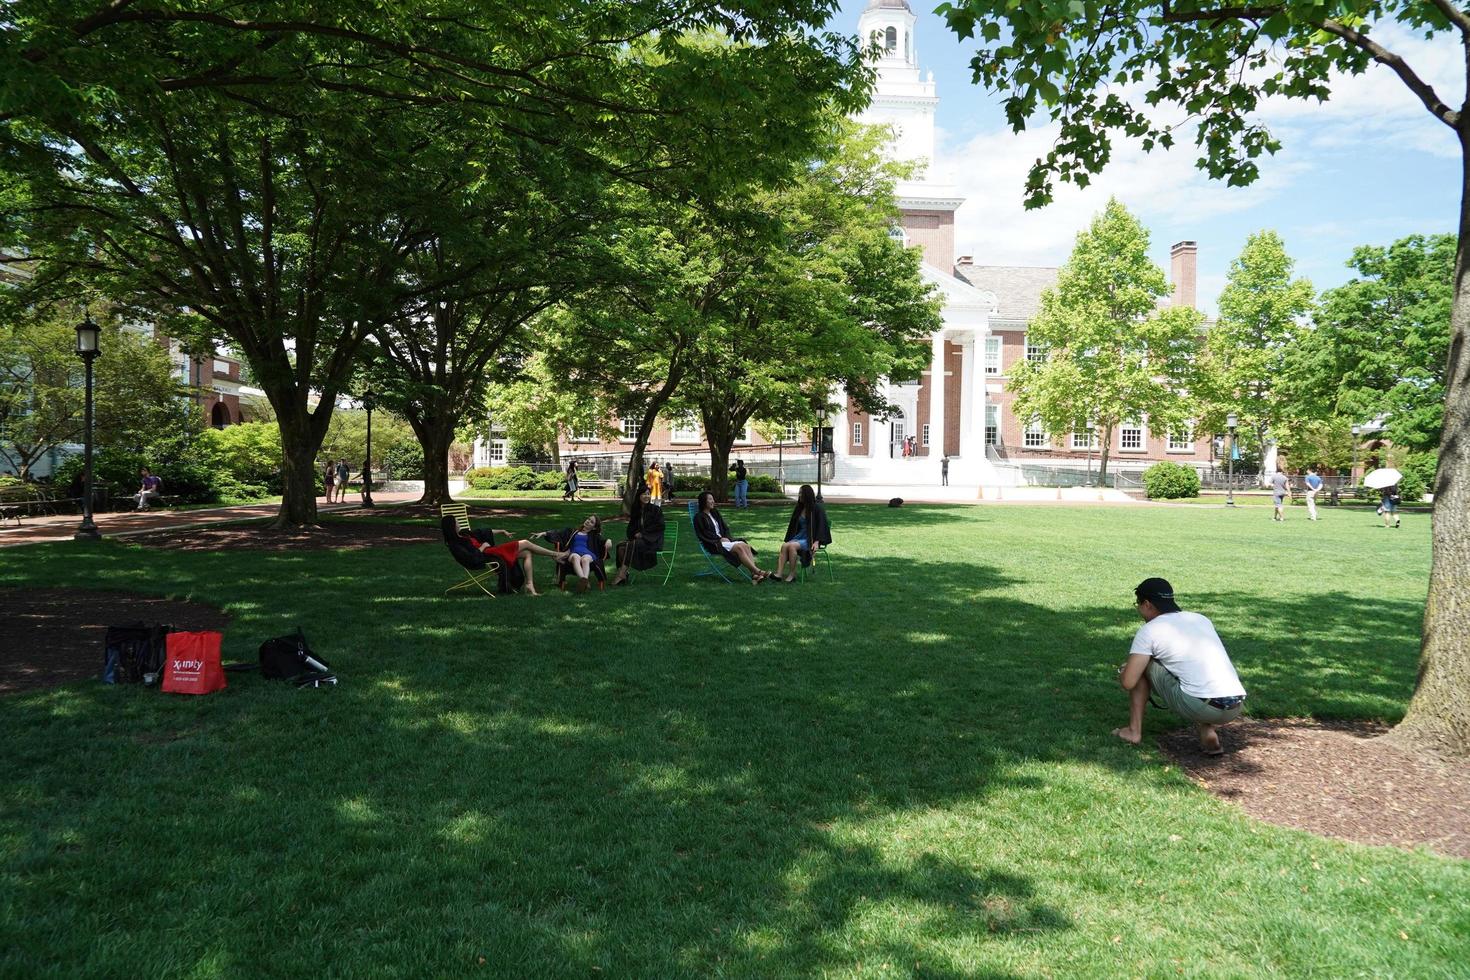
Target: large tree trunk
(301, 440)
(721, 437)
(436, 434)
(1439, 714)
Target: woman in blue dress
(807, 531)
(585, 547)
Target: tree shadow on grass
(678, 781)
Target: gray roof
(1017, 288)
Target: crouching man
(1178, 656)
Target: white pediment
(958, 294)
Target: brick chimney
(963, 265)
(1182, 273)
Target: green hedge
(1170, 481)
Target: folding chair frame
(821, 554)
(461, 514)
(714, 566)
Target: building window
(1035, 353)
(1130, 436)
(1182, 440)
(584, 433)
(992, 425)
(1085, 437)
(744, 438)
(1034, 436)
(496, 452)
(890, 40)
(630, 430)
(684, 430)
(992, 355)
(791, 434)
(898, 234)
(924, 433)
(857, 433)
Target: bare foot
(1209, 743)
(1128, 735)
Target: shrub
(405, 461)
(1411, 487)
(549, 480)
(503, 478)
(763, 483)
(1170, 481)
(1418, 468)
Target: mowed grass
(906, 772)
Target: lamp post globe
(89, 341)
(369, 399)
(1231, 421)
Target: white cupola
(889, 24)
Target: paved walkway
(122, 524)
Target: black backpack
(289, 658)
(134, 653)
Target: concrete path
(971, 494)
(122, 524)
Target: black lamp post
(821, 444)
(1230, 423)
(369, 399)
(88, 338)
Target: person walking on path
(343, 473)
(1314, 483)
(1280, 491)
(742, 485)
(328, 475)
(1178, 656)
(944, 471)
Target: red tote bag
(192, 665)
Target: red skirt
(506, 553)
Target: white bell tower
(901, 99)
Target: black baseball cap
(1159, 592)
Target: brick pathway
(120, 524)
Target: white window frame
(745, 438)
(587, 433)
(857, 433)
(1081, 440)
(992, 356)
(495, 452)
(1176, 444)
(1035, 353)
(1132, 426)
(1033, 436)
(685, 432)
(924, 435)
(628, 430)
(791, 435)
(992, 424)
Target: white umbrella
(1385, 477)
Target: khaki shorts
(1166, 686)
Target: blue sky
(1367, 167)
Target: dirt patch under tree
(1335, 779)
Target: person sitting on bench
(714, 534)
(510, 552)
(645, 537)
(806, 532)
(151, 489)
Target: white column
(967, 396)
(980, 397)
(936, 398)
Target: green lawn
(907, 772)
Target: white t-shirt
(1186, 644)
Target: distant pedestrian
(1280, 492)
(1314, 483)
(329, 475)
(1388, 505)
(569, 488)
(344, 473)
(367, 478)
(150, 488)
(655, 483)
(742, 485)
(944, 471)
